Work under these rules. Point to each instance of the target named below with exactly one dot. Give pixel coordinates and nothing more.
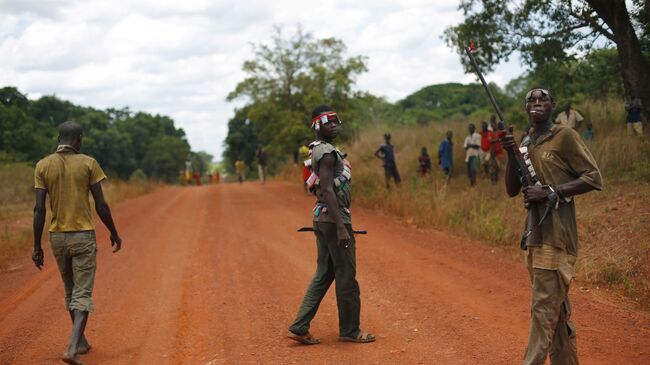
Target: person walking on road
(331, 175)
(386, 153)
(68, 177)
(565, 166)
(261, 163)
(240, 168)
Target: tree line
(125, 143)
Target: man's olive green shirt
(67, 176)
(559, 157)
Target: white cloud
(181, 58)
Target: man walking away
(240, 167)
(68, 176)
(385, 152)
(472, 146)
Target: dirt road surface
(214, 275)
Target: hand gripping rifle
(532, 233)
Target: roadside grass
(613, 225)
(17, 201)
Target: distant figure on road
(386, 153)
(565, 168)
(261, 163)
(569, 117)
(334, 237)
(633, 120)
(424, 162)
(68, 177)
(197, 177)
(304, 156)
(240, 167)
(445, 155)
(472, 146)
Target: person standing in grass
(386, 153)
(570, 118)
(335, 241)
(566, 168)
(424, 162)
(68, 177)
(445, 155)
(472, 147)
(633, 120)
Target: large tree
(285, 80)
(547, 31)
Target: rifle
(532, 233)
(311, 229)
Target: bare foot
(84, 347)
(71, 359)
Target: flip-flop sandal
(306, 339)
(362, 337)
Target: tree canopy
(120, 140)
(553, 36)
(285, 80)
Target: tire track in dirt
(214, 275)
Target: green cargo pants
(334, 263)
(551, 330)
(75, 254)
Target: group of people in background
(192, 176)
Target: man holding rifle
(565, 168)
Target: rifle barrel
(485, 85)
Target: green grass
(613, 224)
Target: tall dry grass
(17, 201)
(614, 225)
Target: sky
(181, 58)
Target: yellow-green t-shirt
(67, 176)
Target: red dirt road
(214, 275)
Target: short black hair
(70, 130)
(320, 109)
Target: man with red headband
(330, 180)
(566, 168)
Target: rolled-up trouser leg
(549, 293)
(317, 288)
(564, 350)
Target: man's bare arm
(104, 213)
(39, 223)
(326, 175)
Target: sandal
(306, 339)
(362, 337)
